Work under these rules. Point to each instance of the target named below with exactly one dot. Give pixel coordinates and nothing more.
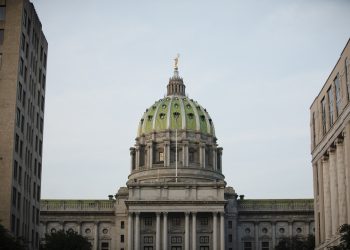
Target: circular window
(164, 106)
(299, 230)
(247, 230)
(190, 115)
(53, 230)
(154, 107)
(176, 105)
(188, 106)
(281, 230)
(161, 115)
(105, 231)
(88, 231)
(264, 230)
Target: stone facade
(176, 196)
(330, 145)
(23, 56)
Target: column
(215, 232)
(158, 231)
(166, 155)
(150, 155)
(256, 235)
(137, 158)
(132, 157)
(327, 198)
(214, 158)
(222, 231)
(137, 231)
(202, 155)
(316, 201)
(334, 190)
(185, 153)
(165, 230)
(346, 136)
(194, 230)
(187, 231)
(273, 234)
(130, 234)
(321, 200)
(341, 182)
(290, 228)
(96, 236)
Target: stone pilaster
(96, 229)
(334, 189)
(157, 231)
(215, 230)
(346, 136)
(327, 198)
(130, 229)
(137, 157)
(341, 182)
(202, 155)
(194, 230)
(185, 153)
(222, 231)
(165, 230)
(256, 235)
(137, 231)
(321, 200)
(273, 234)
(187, 231)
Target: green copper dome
(176, 112)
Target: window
(176, 239)
(122, 238)
(16, 143)
(104, 246)
(176, 221)
(331, 108)
(23, 41)
(204, 221)
(204, 239)
(13, 223)
(19, 201)
(265, 245)
(230, 224)
(161, 156)
(1, 36)
(15, 169)
(14, 196)
(122, 225)
(230, 238)
(323, 106)
(248, 246)
(21, 66)
(148, 221)
(148, 248)
(20, 176)
(148, 239)
(2, 13)
(337, 93)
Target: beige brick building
(23, 56)
(330, 147)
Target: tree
(65, 240)
(344, 231)
(8, 242)
(297, 243)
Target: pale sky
(256, 66)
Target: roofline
(330, 73)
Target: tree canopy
(297, 243)
(65, 240)
(344, 244)
(8, 242)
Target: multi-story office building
(176, 196)
(23, 56)
(330, 147)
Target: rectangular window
(20, 175)
(18, 117)
(161, 156)
(148, 221)
(204, 239)
(323, 106)
(230, 224)
(19, 201)
(16, 143)
(2, 36)
(15, 169)
(248, 245)
(38, 193)
(122, 238)
(13, 223)
(21, 66)
(23, 41)
(265, 245)
(337, 93)
(330, 107)
(148, 239)
(104, 246)
(122, 225)
(204, 221)
(14, 196)
(39, 170)
(2, 12)
(230, 238)
(176, 221)
(176, 239)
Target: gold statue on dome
(176, 59)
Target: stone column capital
(158, 214)
(187, 213)
(165, 213)
(194, 213)
(339, 141)
(137, 213)
(215, 213)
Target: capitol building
(176, 196)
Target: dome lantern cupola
(176, 84)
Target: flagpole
(176, 152)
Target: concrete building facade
(330, 147)
(23, 56)
(176, 196)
